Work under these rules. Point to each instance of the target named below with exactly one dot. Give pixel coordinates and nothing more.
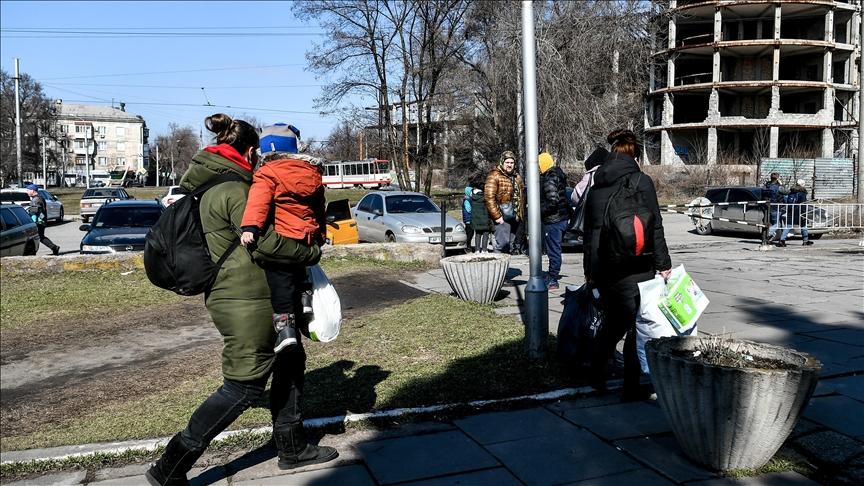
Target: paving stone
(62, 479)
(850, 386)
(640, 477)
(423, 456)
(507, 311)
(489, 428)
(840, 413)
(804, 427)
(120, 472)
(498, 476)
(563, 406)
(788, 478)
(354, 475)
(621, 420)
(262, 463)
(663, 455)
(853, 337)
(829, 447)
(558, 459)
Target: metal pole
(157, 165)
(18, 125)
(536, 294)
(860, 105)
(44, 165)
(87, 154)
(444, 227)
(172, 164)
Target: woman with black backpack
(624, 245)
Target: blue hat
(279, 137)
(31, 187)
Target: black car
(120, 226)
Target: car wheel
(62, 214)
(85, 219)
(815, 236)
(30, 248)
(703, 228)
(391, 238)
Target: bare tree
(180, 142)
(37, 119)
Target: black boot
(171, 468)
(295, 451)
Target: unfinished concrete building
(735, 81)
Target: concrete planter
(730, 418)
(476, 277)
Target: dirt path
(58, 371)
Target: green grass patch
(37, 298)
(777, 464)
(434, 349)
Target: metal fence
(819, 216)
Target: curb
(84, 450)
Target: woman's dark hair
(597, 157)
(623, 142)
(236, 133)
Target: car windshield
(126, 217)
(14, 196)
(97, 193)
(410, 204)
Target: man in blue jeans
(555, 211)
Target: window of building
(121, 131)
(64, 128)
(103, 145)
(121, 146)
(80, 128)
(101, 130)
(103, 161)
(121, 160)
(79, 160)
(79, 144)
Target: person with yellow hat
(555, 212)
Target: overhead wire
(201, 70)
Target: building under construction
(736, 81)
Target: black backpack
(176, 256)
(628, 223)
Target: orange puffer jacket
(294, 187)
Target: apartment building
(108, 138)
(740, 80)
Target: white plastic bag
(327, 309)
(655, 320)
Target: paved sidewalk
(808, 298)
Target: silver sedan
(406, 217)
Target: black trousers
(44, 239)
(223, 407)
(286, 283)
(469, 234)
(620, 303)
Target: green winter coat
(239, 302)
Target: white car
(20, 197)
(405, 217)
(174, 194)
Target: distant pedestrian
(239, 305)
(504, 196)
(776, 197)
(795, 215)
(480, 219)
(617, 275)
(592, 163)
(466, 216)
(38, 211)
(555, 213)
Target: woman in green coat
(239, 304)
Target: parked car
(20, 197)
(405, 217)
(93, 199)
(18, 233)
(120, 226)
(816, 217)
(173, 195)
(341, 227)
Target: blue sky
(153, 74)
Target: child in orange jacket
(288, 190)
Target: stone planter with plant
(731, 403)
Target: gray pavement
(807, 298)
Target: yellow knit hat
(546, 162)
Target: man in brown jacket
(504, 196)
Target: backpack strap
(214, 181)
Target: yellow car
(341, 227)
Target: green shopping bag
(684, 301)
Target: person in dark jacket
(794, 214)
(239, 304)
(555, 213)
(480, 219)
(466, 215)
(618, 283)
(38, 212)
(777, 196)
